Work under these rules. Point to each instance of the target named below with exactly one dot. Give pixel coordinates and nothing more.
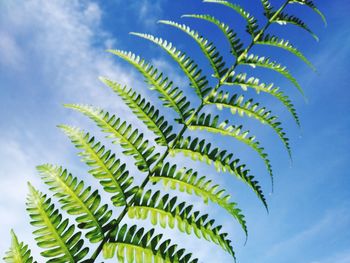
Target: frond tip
(18, 252)
(133, 244)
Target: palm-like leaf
(133, 244)
(188, 181)
(105, 166)
(235, 43)
(237, 104)
(252, 25)
(166, 211)
(123, 134)
(77, 200)
(54, 234)
(18, 252)
(145, 112)
(252, 82)
(207, 123)
(198, 81)
(223, 161)
(264, 62)
(284, 44)
(171, 97)
(209, 50)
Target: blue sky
(52, 52)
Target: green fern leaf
(171, 97)
(223, 161)
(166, 212)
(209, 50)
(235, 43)
(188, 181)
(105, 167)
(244, 82)
(284, 44)
(267, 7)
(145, 112)
(252, 25)
(237, 104)
(198, 81)
(77, 200)
(123, 134)
(283, 19)
(136, 245)
(18, 252)
(264, 62)
(312, 5)
(207, 123)
(56, 236)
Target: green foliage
(59, 240)
(54, 234)
(18, 252)
(77, 200)
(166, 211)
(136, 245)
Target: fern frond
(284, 44)
(223, 161)
(207, 123)
(252, 82)
(264, 62)
(145, 111)
(235, 43)
(78, 201)
(171, 97)
(252, 23)
(198, 81)
(18, 252)
(104, 165)
(312, 5)
(166, 212)
(283, 19)
(188, 181)
(237, 104)
(132, 244)
(123, 134)
(56, 236)
(267, 7)
(209, 50)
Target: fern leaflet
(137, 245)
(78, 201)
(104, 165)
(223, 161)
(189, 182)
(123, 134)
(166, 212)
(56, 236)
(145, 112)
